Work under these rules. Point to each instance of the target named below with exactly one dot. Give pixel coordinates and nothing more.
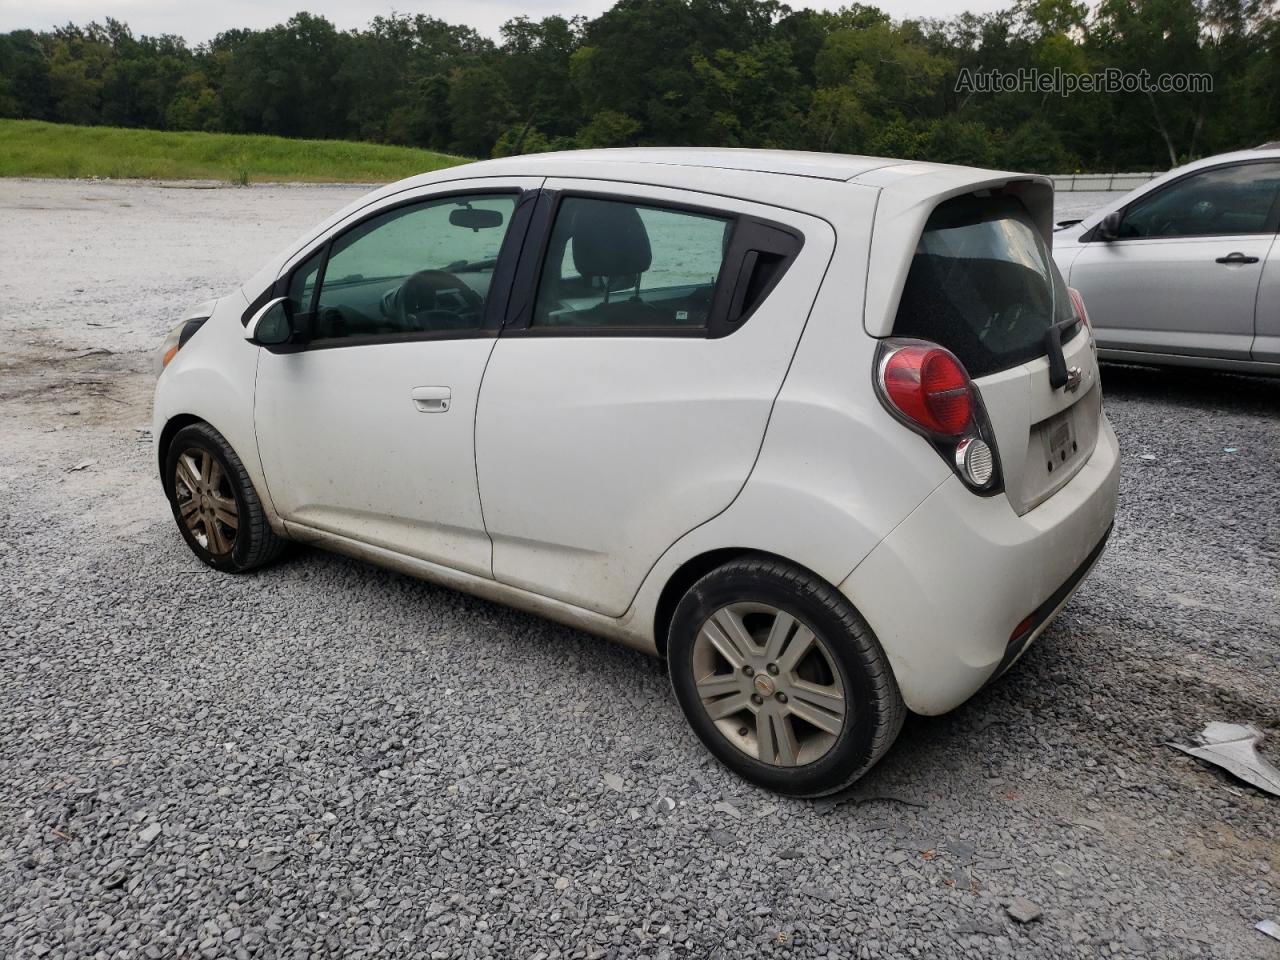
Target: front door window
(1225, 201)
(422, 268)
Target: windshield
(983, 284)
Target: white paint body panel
(345, 448)
(595, 453)
(212, 379)
(608, 463)
(1019, 400)
(351, 443)
(946, 589)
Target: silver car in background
(1185, 270)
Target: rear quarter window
(983, 284)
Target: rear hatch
(983, 284)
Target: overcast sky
(200, 20)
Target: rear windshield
(984, 285)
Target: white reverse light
(974, 459)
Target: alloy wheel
(205, 500)
(769, 684)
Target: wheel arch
(165, 440)
(247, 452)
(693, 570)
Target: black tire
(254, 543)
(874, 710)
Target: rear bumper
(947, 590)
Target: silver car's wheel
(769, 684)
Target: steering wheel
(437, 300)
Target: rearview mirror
(1109, 226)
(475, 219)
(270, 326)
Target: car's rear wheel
(214, 503)
(781, 678)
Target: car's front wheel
(781, 678)
(214, 503)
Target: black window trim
(1271, 226)
(749, 235)
(500, 286)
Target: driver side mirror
(1109, 226)
(271, 325)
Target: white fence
(1099, 182)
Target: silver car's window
(1225, 201)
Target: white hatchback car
(824, 431)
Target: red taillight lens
(929, 387)
(1077, 301)
(1023, 628)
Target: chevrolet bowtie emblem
(1073, 380)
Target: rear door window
(613, 264)
(983, 284)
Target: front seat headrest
(609, 240)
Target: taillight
(927, 388)
(1077, 301)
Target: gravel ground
(325, 759)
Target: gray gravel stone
(1023, 910)
(615, 782)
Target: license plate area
(1058, 441)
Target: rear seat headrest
(609, 239)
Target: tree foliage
(736, 73)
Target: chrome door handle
(1236, 257)
(431, 399)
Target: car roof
(698, 162)
(1267, 151)
(796, 163)
(789, 178)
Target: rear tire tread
(887, 704)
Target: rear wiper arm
(1058, 374)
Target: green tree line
(737, 73)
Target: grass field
(31, 148)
